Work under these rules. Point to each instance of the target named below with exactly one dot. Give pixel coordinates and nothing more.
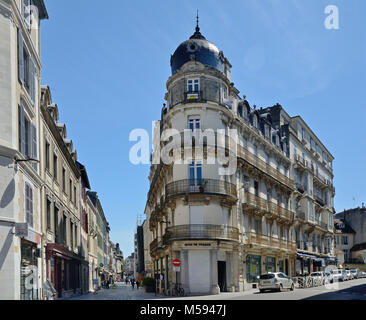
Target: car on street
(362, 274)
(356, 273)
(337, 275)
(350, 275)
(275, 281)
(318, 277)
(328, 277)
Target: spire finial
(197, 34)
(198, 19)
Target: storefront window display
(253, 265)
(270, 264)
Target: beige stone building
(227, 229)
(20, 181)
(61, 202)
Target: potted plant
(202, 184)
(149, 284)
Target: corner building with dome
(274, 214)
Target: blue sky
(107, 63)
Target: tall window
(194, 123)
(55, 166)
(256, 188)
(27, 136)
(74, 194)
(47, 151)
(29, 204)
(64, 236)
(195, 173)
(48, 209)
(26, 68)
(193, 85)
(55, 222)
(70, 189)
(71, 235)
(63, 180)
(345, 240)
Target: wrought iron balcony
(194, 96)
(201, 186)
(264, 167)
(319, 200)
(269, 241)
(156, 244)
(201, 232)
(260, 205)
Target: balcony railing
(263, 166)
(203, 186)
(265, 206)
(269, 241)
(201, 231)
(196, 96)
(156, 244)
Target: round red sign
(176, 263)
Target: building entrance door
(58, 280)
(286, 267)
(221, 275)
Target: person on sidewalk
(137, 284)
(133, 284)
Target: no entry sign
(176, 263)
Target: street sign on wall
(21, 230)
(176, 269)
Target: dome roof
(197, 48)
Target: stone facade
(228, 229)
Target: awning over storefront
(331, 259)
(307, 256)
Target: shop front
(29, 271)
(253, 268)
(270, 264)
(304, 263)
(64, 270)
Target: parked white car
(350, 275)
(318, 277)
(275, 281)
(356, 273)
(362, 274)
(337, 275)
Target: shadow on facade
(8, 194)
(6, 246)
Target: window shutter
(21, 130)
(31, 206)
(34, 145)
(20, 57)
(33, 82)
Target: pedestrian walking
(137, 284)
(133, 284)
(126, 280)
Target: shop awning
(332, 259)
(303, 255)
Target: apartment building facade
(351, 235)
(227, 229)
(61, 201)
(20, 182)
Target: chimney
(363, 205)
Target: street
(349, 290)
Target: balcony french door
(195, 218)
(195, 176)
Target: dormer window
(193, 85)
(255, 121)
